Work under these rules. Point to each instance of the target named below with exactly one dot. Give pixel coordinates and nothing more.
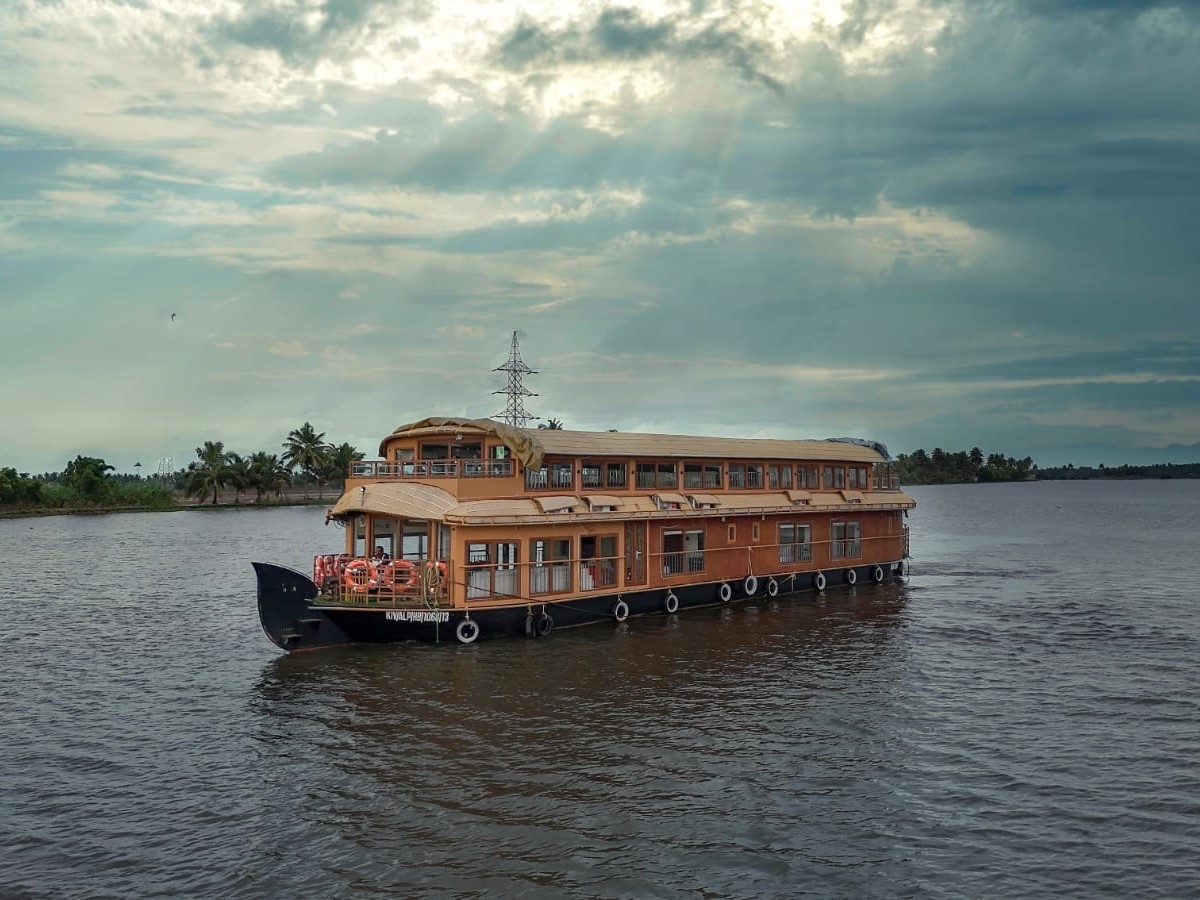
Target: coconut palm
(210, 472)
(307, 451)
(237, 472)
(341, 458)
(267, 475)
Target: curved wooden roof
(531, 445)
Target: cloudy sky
(927, 222)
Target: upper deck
(479, 459)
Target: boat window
(645, 475)
(550, 572)
(754, 476)
(795, 542)
(536, 479)
(590, 472)
(827, 481)
(800, 479)
(466, 451)
(598, 561)
(737, 475)
(672, 553)
(845, 540)
(435, 451)
(403, 454)
(491, 570)
(693, 550)
(562, 475)
(667, 476)
(731, 534)
(614, 475)
(712, 475)
(693, 475)
(780, 476)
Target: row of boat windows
(795, 542)
(558, 566)
(643, 475)
(650, 475)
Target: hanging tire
(670, 604)
(620, 611)
(725, 592)
(851, 577)
(877, 574)
(819, 581)
(772, 588)
(467, 631)
(545, 625)
(750, 585)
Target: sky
(924, 222)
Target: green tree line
(942, 467)
(89, 483)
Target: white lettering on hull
(434, 616)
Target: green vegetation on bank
(88, 483)
(965, 466)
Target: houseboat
(470, 529)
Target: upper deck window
(615, 475)
(780, 476)
(435, 451)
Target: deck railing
(433, 468)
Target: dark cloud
(623, 34)
(341, 25)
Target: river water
(1020, 719)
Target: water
(1020, 719)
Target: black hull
(294, 623)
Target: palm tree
(306, 450)
(551, 425)
(237, 470)
(210, 472)
(341, 458)
(267, 474)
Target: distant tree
(237, 474)
(19, 489)
(267, 475)
(307, 451)
(87, 477)
(340, 459)
(210, 472)
(551, 425)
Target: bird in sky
(173, 317)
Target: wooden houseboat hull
(295, 620)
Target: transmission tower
(514, 413)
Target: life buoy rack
(545, 624)
(772, 587)
(361, 575)
(620, 611)
(750, 585)
(877, 574)
(467, 631)
(725, 592)
(400, 574)
(819, 581)
(851, 577)
(670, 603)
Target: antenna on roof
(514, 413)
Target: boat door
(635, 553)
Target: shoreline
(42, 512)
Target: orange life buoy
(400, 574)
(361, 575)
